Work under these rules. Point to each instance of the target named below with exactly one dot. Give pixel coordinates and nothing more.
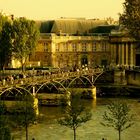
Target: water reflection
(94, 103)
(48, 129)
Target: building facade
(81, 42)
(123, 49)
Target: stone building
(81, 42)
(123, 48)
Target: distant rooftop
(75, 26)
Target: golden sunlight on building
(80, 42)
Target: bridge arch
(15, 92)
(60, 82)
(53, 83)
(65, 82)
(97, 76)
(80, 78)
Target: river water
(49, 129)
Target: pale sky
(52, 9)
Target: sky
(53, 9)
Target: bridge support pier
(35, 103)
(119, 77)
(68, 96)
(94, 92)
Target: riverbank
(107, 90)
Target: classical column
(126, 51)
(131, 55)
(113, 54)
(112, 51)
(134, 55)
(122, 54)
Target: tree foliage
(5, 40)
(131, 17)
(5, 133)
(2, 21)
(24, 112)
(118, 116)
(75, 116)
(18, 38)
(25, 38)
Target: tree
(118, 116)
(24, 112)
(75, 116)
(5, 40)
(2, 21)
(130, 18)
(5, 133)
(25, 38)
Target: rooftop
(75, 26)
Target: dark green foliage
(25, 38)
(5, 133)
(75, 115)
(131, 17)
(5, 41)
(118, 116)
(18, 38)
(2, 108)
(2, 21)
(24, 113)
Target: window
(74, 47)
(104, 62)
(57, 48)
(94, 47)
(45, 47)
(65, 45)
(84, 49)
(104, 46)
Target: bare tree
(75, 116)
(24, 112)
(118, 116)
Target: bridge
(64, 80)
(56, 85)
(52, 87)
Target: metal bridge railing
(50, 77)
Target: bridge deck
(46, 78)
